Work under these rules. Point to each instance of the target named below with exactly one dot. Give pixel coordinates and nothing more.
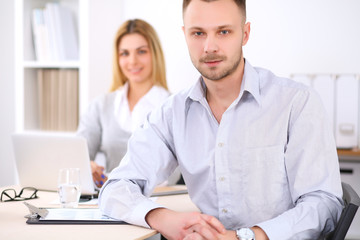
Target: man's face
(215, 33)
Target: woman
(138, 86)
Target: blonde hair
(143, 28)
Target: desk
(349, 155)
(13, 225)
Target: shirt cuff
(274, 229)
(139, 213)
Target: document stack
(54, 33)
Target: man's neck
(222, 93)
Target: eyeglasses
(26, 193)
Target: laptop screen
(39, 156)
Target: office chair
(351, 202)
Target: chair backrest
(352, 202)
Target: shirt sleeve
(90, 127)
(148, 162)
(313, 174)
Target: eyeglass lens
(8, 195)
(27, 192)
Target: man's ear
(246, 33)
(183, 29)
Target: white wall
(105, 18)
(7, 103)
(321, 36)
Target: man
(256, 151)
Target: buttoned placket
(222, 169)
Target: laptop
(39, 156)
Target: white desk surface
(13, 225)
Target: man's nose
(211, 45)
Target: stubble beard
(214, 73)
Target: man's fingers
(193, 236)
(206, 232)
(214, 222)
(205, 220)
(194, 219)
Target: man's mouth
(213, 63)
(212, 60)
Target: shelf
(27, 68)
(37, 64)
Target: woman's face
(135, 58)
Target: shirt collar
(250, 84)
(198, 91)
(152, 96)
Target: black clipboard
(67, 216)
(71, 222)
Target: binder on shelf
(54, 99)
(72, 100)
(68, 39)
(40, 36)
(46, 99)
(62, 99)
(50, 26)
(41, 102)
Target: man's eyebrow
(224, 26)
(196, 28)
(217, 28)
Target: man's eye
(224, 32)
(198, 33)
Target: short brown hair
(158, 61)
(241, 4)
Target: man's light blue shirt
(271, 161)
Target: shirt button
(220, 144)
(221, 179)
(224, 210)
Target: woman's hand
(98, 174)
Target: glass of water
(69, 187)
